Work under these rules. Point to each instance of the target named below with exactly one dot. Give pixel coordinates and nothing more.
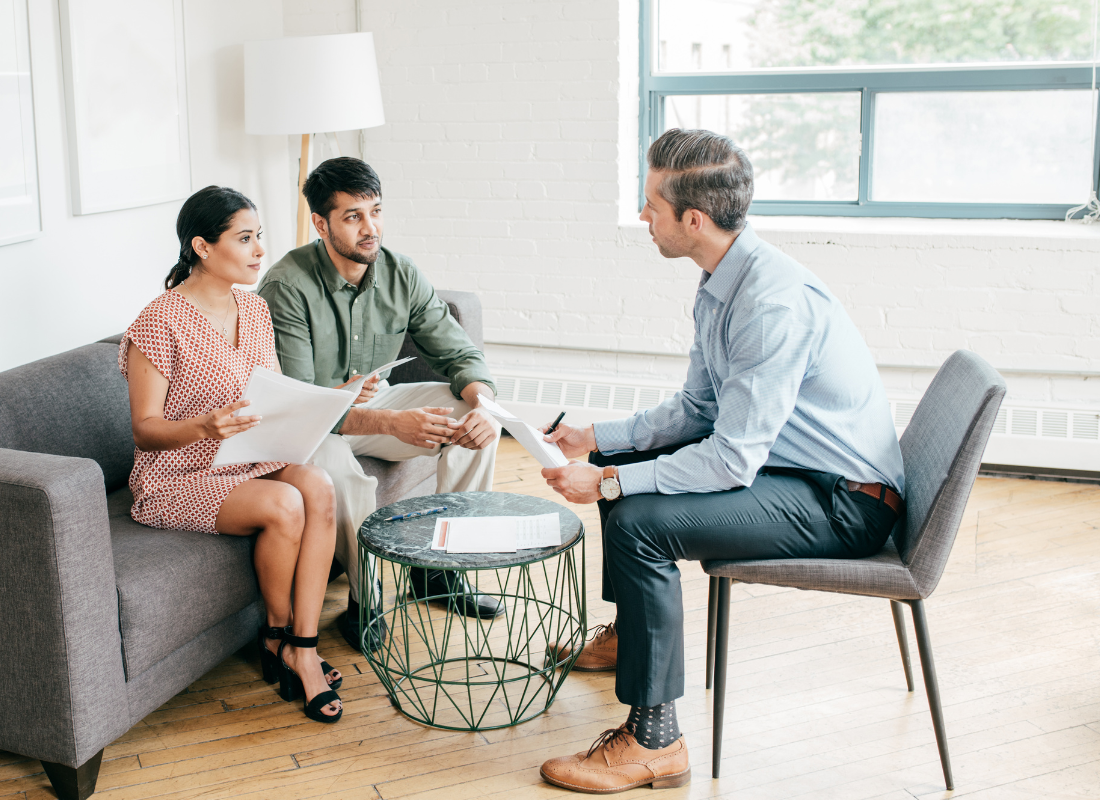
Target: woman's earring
(204, 255)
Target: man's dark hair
(350, 175)
(706, 171)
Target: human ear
(321, 224)
(200, 247)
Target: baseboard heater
(1047, 440)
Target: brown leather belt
(876, 490)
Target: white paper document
(392, 364)
(546, 453)
(296, 418)
(496, 534)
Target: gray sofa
(103, 619)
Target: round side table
(462, 673)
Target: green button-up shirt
(326, 329)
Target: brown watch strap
(611, 472)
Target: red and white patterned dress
(178, 488)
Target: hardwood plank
(816, 705)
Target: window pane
(802, 146)
(983, 147)
(740, 35)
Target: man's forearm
(472, 390)
(367, 422)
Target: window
(923, 108)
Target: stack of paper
(296, 418)
(496, 534)
(546, 453)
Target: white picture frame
(20, 213)
(126, 103)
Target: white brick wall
(500, 161)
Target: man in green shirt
(341, 307)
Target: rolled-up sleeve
(769, 356)
(441, 341)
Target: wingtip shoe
(616, 763)
(600, 652)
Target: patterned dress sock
(654, 727)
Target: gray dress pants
(786, 513)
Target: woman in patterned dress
(187, 359)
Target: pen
(555, 424)
(416, 514)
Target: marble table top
(409, 541)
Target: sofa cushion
(397, 478)
(71, 404)
(173, 585)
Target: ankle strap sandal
(290, 685)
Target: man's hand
(574, 442)
(475, 431)
(423, 427)
(576, 482)
(369, 390)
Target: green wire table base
(454, 672)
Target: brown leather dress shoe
(599, 654)
(616, 762)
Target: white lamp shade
(311, 84)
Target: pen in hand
(554, 424)
(412, 514)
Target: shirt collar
(333, 279)
(727, 274)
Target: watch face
(609, 488)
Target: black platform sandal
(270, 662)
(290, 685)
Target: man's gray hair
(706, 171)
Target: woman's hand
(221, 424)
(369, 390)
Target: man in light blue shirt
(780, 445)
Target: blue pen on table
(423, 513)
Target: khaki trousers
(460, 470)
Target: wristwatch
(609, 485)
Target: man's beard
(352, 253)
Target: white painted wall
(86, 277)
(508, 163)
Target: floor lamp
(311, 84)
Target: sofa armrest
(466, 309)
(62, 684)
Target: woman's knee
(318, 492)
(285, 512)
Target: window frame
(654, 87)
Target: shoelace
(610, 736)
(601, 631)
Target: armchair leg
(721, 656)
(712, 612)
(903, 642)
(928, 666)
(74, 784)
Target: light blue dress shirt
(779, 377)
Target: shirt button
(354, 337)
(715, 311)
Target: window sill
(998, 229)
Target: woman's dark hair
(206, 213)
(344, 174)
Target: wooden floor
(816, 707)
